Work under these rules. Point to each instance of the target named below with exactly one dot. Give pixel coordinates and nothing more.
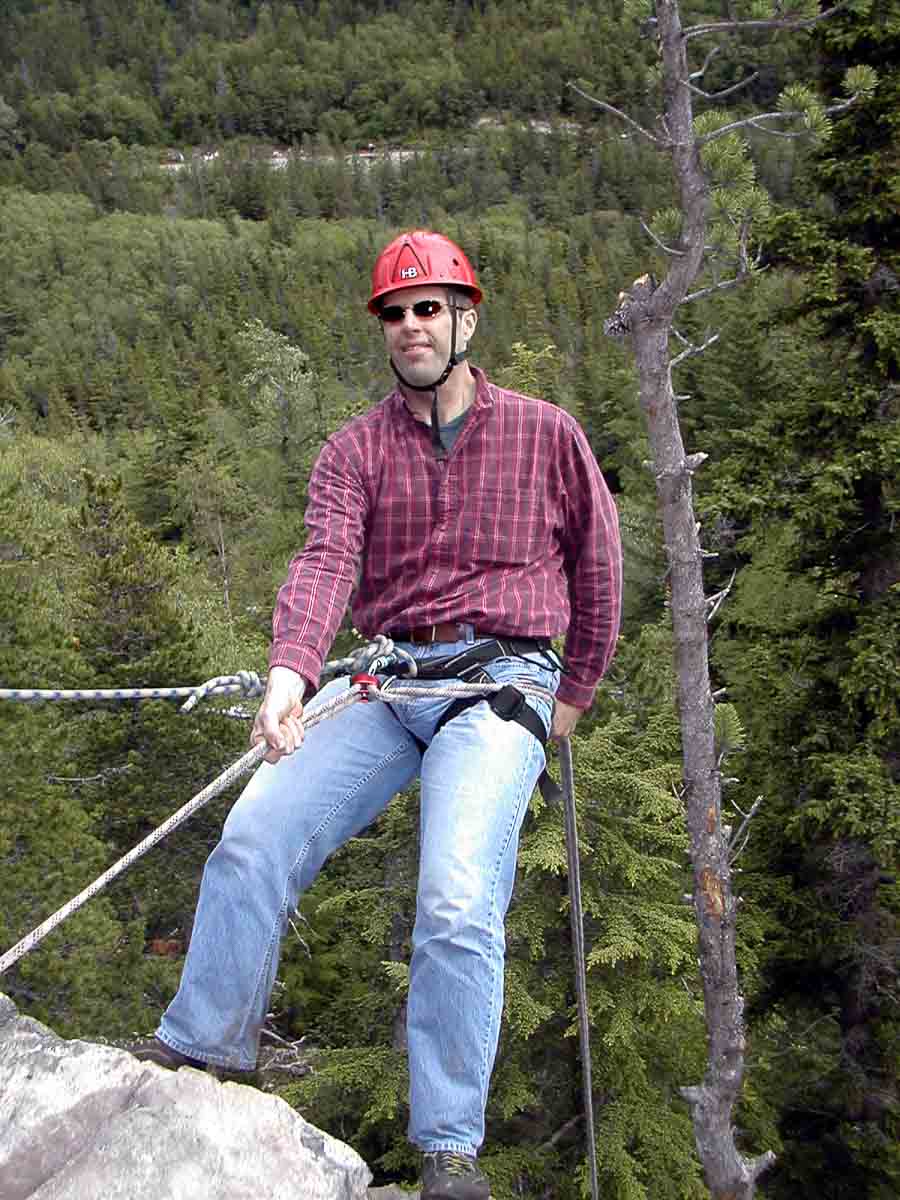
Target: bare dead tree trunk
(646, 314)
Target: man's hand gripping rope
(279, 720)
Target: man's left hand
(565, 718)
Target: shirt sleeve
(593, 563)
(322, 576)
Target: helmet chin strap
(456, 357)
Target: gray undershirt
(450, 431)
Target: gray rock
(392, 1193)
(80, 1121)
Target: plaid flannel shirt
(514, 532)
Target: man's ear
(469, 321)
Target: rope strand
(366, 660)
(247, 682)
(355, 693)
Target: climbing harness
(378, 671)
(509, 702)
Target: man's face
(420, 345)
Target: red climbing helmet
(418, 258)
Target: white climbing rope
(355, 693)
(363, 663)
(247, 682)
(367, 658)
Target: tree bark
(646, 314)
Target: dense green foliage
(175, 345)
(145, 72)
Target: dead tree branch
(560, 1133)
(735, 87)
(716, 600)
(716, 50)
(100, 777)
(725, 285)
(692, 351)
(617, 112)
(735, 845)
(788, 23)
(670, 250)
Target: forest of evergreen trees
(175, 345)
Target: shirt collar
(483, 395)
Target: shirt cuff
(570, 691)
(307, 663)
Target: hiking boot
(153, 1050)
(447, 1175)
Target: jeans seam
(483, 1074)
(275, 937)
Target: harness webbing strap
(510, 705)
(467, 664)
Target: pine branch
(791, 114)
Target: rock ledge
(82, 1120)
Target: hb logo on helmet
(408, 272)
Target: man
(468, 519)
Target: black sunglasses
(425, 310)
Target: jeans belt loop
(469, 631)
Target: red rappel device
(365, 681)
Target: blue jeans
(477, 778)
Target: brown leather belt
(449, 631)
